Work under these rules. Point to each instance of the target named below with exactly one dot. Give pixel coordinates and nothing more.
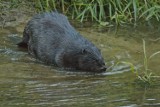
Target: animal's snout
(103, 68)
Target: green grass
(105, 11)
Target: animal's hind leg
(24, 42)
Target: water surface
(25, 82)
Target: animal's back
(57, 25)
(49, 33)
(50, 38)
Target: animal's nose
(103, 68)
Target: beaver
(50, 38)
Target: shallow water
(24, 82)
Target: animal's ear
(83, 51)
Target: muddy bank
(13, 14)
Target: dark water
(24, 82)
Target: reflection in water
(27, 82)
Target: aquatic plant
(144, 75)
(147, 73)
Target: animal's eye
(84, 51)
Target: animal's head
(88, 59)
(91, 60)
